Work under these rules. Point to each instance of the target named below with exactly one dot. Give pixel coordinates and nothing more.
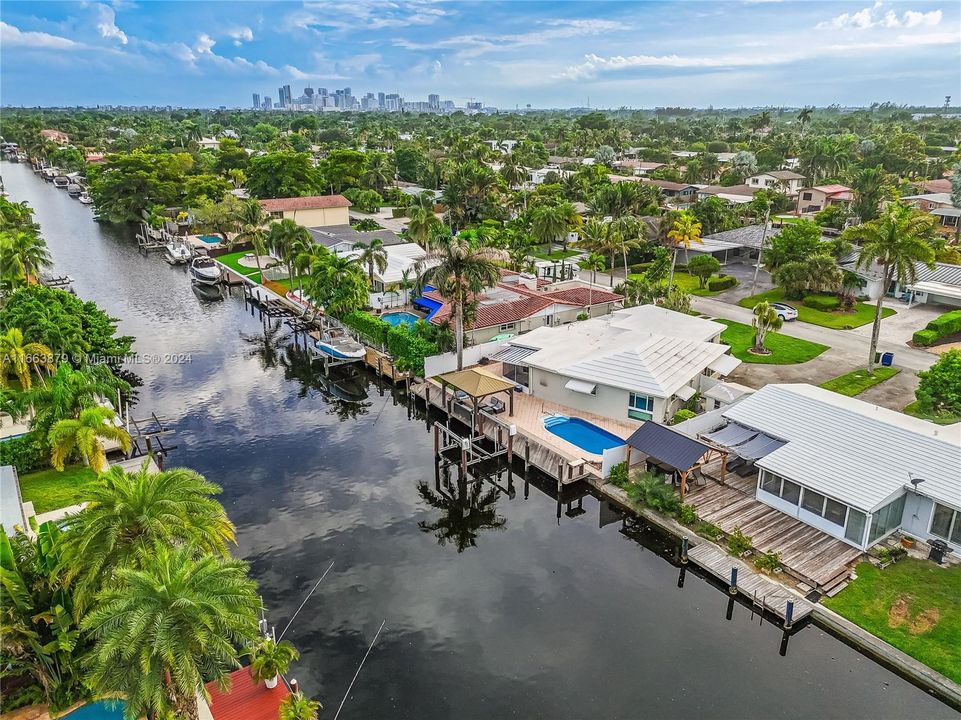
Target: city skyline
(606, 55)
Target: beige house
(815, 199)
(786, 181)
(316, 211)
(61, 138)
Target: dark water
(543, 618)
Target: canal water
(494, 606)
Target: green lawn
(914, 604)
(687, 283)
(856, 382)
(51, 489)
(862, 315)
(913, 411)
(556, 255)
(785, 350)
(231, 261)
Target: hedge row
(373, 329)
(826, 303)
(405, 345)
(26, 453)
(947, 324)
(723, 282)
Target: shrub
(682, 415)
(939, 391)
(640, 267)
(702, 267)
(768, 562)
(723, 282)
(946, 324)
(618, 475)
(651, 490)
(925, 337)
(825, 303)
(398, 212)
(708, 530)
(373, 329)
(688, 515)
(408, 348)
(738, 543)
(582, 316)
(26, 453)
(21, 697)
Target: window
(855, 529)
(813, 502)
(806, 196)
(507, 326)
(886, 520)
(946, 523)
(770, 482)
(640, 407)
(520, 374)
(790, 492)
(835, 511)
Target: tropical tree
(896, 242)
(298, 707)
(85, 434)
(460, 270)
(68, 391)
(422, 225)
(685, 232)
(371, 255)
(223, 217)
(626, 230)
(512, 171)
(287, 239)
(702, 267)
(178, 621)
(765, 320)
(23, 254)
(599, 237)
(21, 359)
(593, 262)
(270, 658)
(337, 283)
(871, 187)
(550, 223)
(253, 229)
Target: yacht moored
(85, 198)
(176, 251)
(204, 270)
(337, 344)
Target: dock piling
(789, 615)
(732, 587)
(684, 545)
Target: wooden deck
(808, 554)
(762, 592)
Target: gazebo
(672, 451)
(476, 384)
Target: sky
(724, 53)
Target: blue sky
(548, 54)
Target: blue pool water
(100, 710)
(400, 318)
(210, 238)
(585, 435)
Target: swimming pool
(400, 318)
(211, 239)
(585, 435)
(100, 710)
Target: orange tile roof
(247, 699)
(305, 203)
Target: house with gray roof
(856, 471)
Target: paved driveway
(744, 272)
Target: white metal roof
(855, 452)
(936, 288)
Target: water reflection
(468, 508)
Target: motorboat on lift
(176, 251)
(61, 182)
(204, 271)
(74, 190)
(85, 198)
(337, 344)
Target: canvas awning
(668, 447)
(476, 383)
(580, 386)
(725, 364)
(731, 435)
(758, 447)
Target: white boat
(176, 251)
(49, 173)
(61, 182)
(204, 270)
(338, 345)
(85, 198)
(74, 190)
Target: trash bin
(938, 550)
(887, 359)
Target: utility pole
(760, 252)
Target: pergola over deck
(477, 384)
(673, 452)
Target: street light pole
(760, 252)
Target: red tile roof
(246, 700)
(305, 203)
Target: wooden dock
(764, 594)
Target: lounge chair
(495, 405)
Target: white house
(209, 143)
(640, 363)
(854, 470)
(786, 181)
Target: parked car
(785, 312)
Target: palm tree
(270, 659)
(337, 284)
(380, 172)
(765, 320)
(804, 117)
(128, 512)
(462, 271)
(22, 359)
(896, 242)
(870, 187)
(512, 171)
(253, 221)
(69, 391)
(373, 256)
(625, 230)
(85, 434)
(686, 230)
(823, 272)
(287, 239)
(164, 630)
(423, 222)
(23, 254)
(298, 707)
(593, 262)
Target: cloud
(11, 36)
(366, 15)
(241, 35)
(107, 24)
(871, 17)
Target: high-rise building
(380, 99)
(322, 92)
(268, 103)
(280, 96)
(433, 101)
(256, 101)
(284, 98)
(308, 92)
